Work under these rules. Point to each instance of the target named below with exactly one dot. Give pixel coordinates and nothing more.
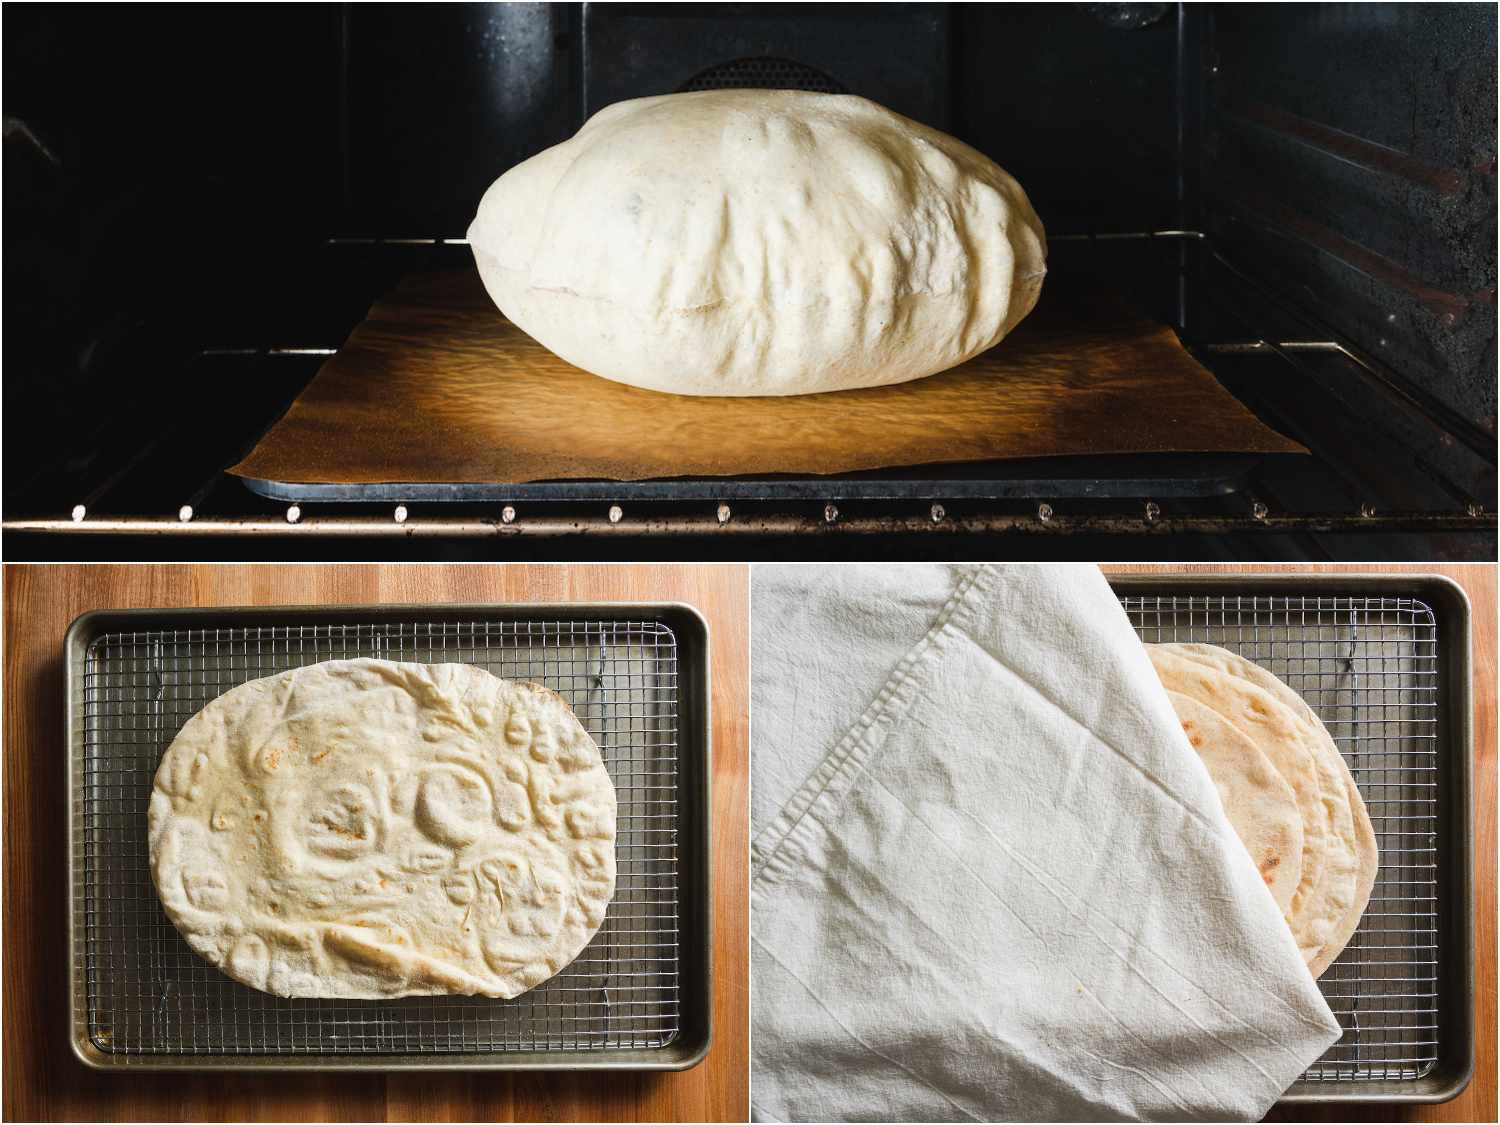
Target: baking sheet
(1384, 662)
(636, 997)
(436, 386)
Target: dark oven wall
(1078, 100)
(392, 119)
(163, 166)
(1349, 156)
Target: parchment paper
(436, 386)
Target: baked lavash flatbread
(366, 829)
(1260, 805)
(759, 242)
(1365, 846)
(1339, 844)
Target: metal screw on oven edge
(830, 513)
(400, 513)
(1259, 510)
(1367, 510)
(724, 513)
(293, 514)
(1152, 511)
(79, 511)
(507, 514)
(615, 513)
(938, 513)
(185, 513)
(1044, 512)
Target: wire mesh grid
(148, 994)
(1368, 666)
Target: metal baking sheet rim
(1450, 605)
(1200, 476)
(693, 1041)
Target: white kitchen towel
(1004, 888)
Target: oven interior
(202, 202)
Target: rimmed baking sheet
(635, 996)
(1385, 666)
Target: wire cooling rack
(1369, 667)
(148, 994)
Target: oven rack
(1418, 471)
(299, 520)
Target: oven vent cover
(763, 74)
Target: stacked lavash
(1285, 789)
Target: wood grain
(436, 386)
(1478, 1102)
(42, 1079)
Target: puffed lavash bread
(758, 242)
(1340, 852)
(365, 829)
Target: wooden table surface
(1478, 1102)
(42, 1079)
